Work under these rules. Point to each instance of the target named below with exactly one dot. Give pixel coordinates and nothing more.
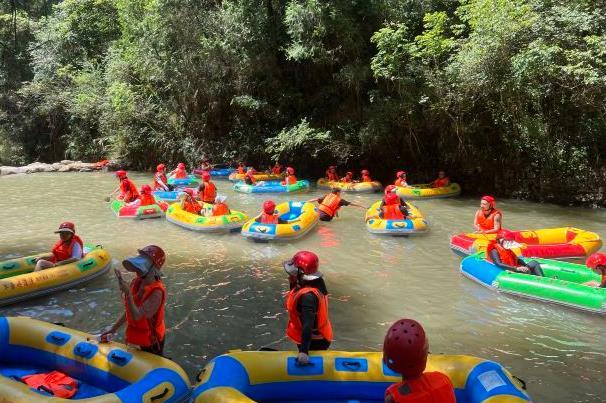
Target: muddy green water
(225, 292)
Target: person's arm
(404, 211)
(309, 309)
(496, 259)
(497, 225)
(476, 225)
(348, 203)
(117, 325)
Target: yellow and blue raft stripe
(334, 376)
(415, 223)
(301, 217)
(107, 373)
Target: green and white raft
(563, 282)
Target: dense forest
(509, 96)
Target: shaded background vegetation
(508, 95)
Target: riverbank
(61, 166)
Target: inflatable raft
(106, 373)
(272, 187)
(355, 187)
(216, 173)
(236, 177)
(301, 217)
(224, 223)
(335, 376)
(414, 224)
(171, 196)
(426, 191)
(562, 284)
(135, 210)
(190, 181)
(559, 243)
(19, 282)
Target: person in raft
(597, 263)
(178, 173)
(499, 252)
(276, 169)
(488, 219)
(205, 165)
(331, 174)
(401, 179)
(392, 209)
(189, 202)
(220, 207)
(146, 198)
(68, 249)
(365, 176)
(348, 178)
(392, 189)
(269, 215)
(249, 178)
(307, 305)
(442, 180)
(405, 351)
(160, 180)
(127, 188)
(330, 204)
(144, 301)
(207, 190)
(290, 179)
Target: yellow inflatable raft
(355, 187)
(426, 191)
(414, 223)
(224, 223)
(19, 282)
(301, 217)
(106, 373)
(274, 376)
(260, 176)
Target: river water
(225, 292)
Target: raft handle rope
(522, 382)
(199, 376)
(160, 395)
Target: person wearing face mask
(488, 220)
(307, 304)
(68, 249)
(144, 301)
(499, 252)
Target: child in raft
(597, 263)
(405, 351)
(179, 173)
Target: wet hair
(317, 283)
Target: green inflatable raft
(563, 282)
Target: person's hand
(523, 269)
(302, 359)
(592, 284)
(124, 288)
(106, 337)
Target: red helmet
(66, 227)
(389, 189)
(121, 174)
(392, 198)
(490, 200)
(290, 170)
(506, 235)
(304, 262)
(155, 253)
(146, 189)
(189, 191)
(269, 206)
(160, 167)
(595, 260)
(365, 172)
(405, 348)
(400, 173)
(205, 176)
(181, 165)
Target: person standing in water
(144, 301)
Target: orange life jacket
(330, 204)
(430, 387)
(250, 180)
(392, 212)
(209, 192)
(159, 177)
(290, 180)
(241, 170)
(366, 178)
(332, 176)
(294, 328)
(401, 183)
(346, 179)
(62, 251)
(268, 218)
(145, 332)
(220, 209)
(276, 170)
(192, 206)
(129, 191)
(180, 174)
(441, 182)
(507, 256)
(147, 200)
(55, 382)
(486, 222)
